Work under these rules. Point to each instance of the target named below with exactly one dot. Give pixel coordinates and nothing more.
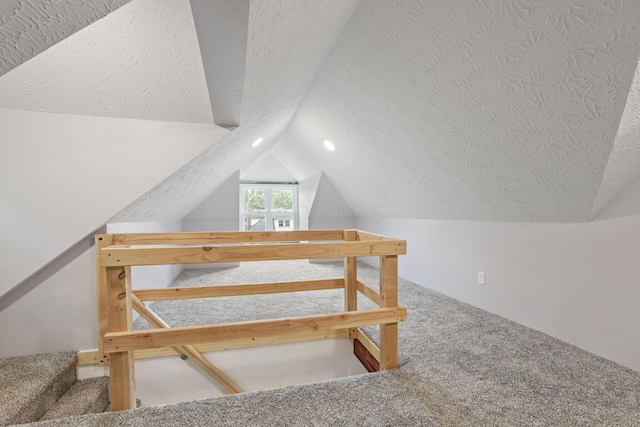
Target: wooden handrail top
(365, 236)
(113, 256)
(239, 237)
(222, 237)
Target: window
(283, 224)
(270, 207)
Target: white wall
(307, 188)
(576, 282)
(251, 368)
(55, 310)
(269, 169)
(150, 276)
(62, 176)
(322, 206)
(329, 210)
(220, 211)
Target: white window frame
(269, 187)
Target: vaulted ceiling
(484, 110)
(29, 27)
(477, 109)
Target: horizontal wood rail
(365, 236)
(115, 342)
(237, 290)
(114, 256)
(92, 357)
(119, 345)
(225, 237)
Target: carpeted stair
(87, 396)
(44, 387)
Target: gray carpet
(460, 366)
(30, 385)
(87, 396)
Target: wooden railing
(119, 344)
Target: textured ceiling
(287, 43)
(29, 27)
(222, 31)
(485, 110)
(474, 109)
(142, 62)
(624, 162)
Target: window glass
(268, 207)
(282, 200)
(254, 199)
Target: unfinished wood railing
(119, 344)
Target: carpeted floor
(460, 366)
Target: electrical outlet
(481, 277)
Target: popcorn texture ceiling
(29, 27)
(443, 109)
(287, 43)
(140, 62)
(479, 110)
(624, 162)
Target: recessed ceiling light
(257, 142)
(329, 145)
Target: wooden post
(123, 395)
(350, 282)
(102, 292)
(389, 298)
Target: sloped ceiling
(29, 27)
(475, 109)
(268, 169)
(287, 43)
(140, 62)
(222, 27)
(484, 110)
(624, 162)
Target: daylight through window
(268, 207)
